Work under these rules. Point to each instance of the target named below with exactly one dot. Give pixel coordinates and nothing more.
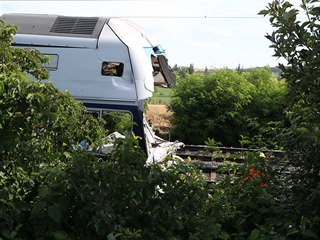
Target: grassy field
(161, 96)
(157, 111)
(159, 117)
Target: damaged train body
(107, 63)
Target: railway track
(215, 161)
(218, 154)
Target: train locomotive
(107, 63)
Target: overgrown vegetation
(51, 189)
(298, 43)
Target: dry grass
(160, 117)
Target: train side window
(112, 69)
(117, 121)
(94, 113)
(52, 64)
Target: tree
(226, 104)
(175, 68)
(191, 68)
(297, 42)
(265, 113)
(206, 70)
(209, 106)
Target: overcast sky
(207, 33)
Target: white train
(107, 63)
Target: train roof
(56, 25)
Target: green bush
(265, 116)
(226, 105)
(39, 126)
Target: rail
(211, 159)
(218, 154)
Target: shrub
(226, 105)
(39, 126)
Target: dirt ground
(159, 117)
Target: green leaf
(254, 234)
(67, 155)
(224, 236)
(44, 192)
(54, 213)
(292, 231)
(30, 96)
(303, 222)
(1, 87)
(60, 235)
(291, 15)
(263, 12)
(37, 208)
(310, 234)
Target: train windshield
(162, 72)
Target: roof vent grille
(74, 25)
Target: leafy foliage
(34, 115)
(226, 105)
(19, 60)
(39, 126)
(297, 42)
(265, 117)
(209, 105)
(51, 189)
